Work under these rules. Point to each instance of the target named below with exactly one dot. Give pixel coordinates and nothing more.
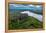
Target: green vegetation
(24, 23)
(27, 23)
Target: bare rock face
(21, 17)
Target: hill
(27, 23)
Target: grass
(27, 23)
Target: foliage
(27, 23)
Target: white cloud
(31, 5)
(37, 16)
(38, 6)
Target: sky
(30, 7)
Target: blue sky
(37, 8)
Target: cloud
(37, 16)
